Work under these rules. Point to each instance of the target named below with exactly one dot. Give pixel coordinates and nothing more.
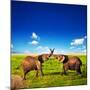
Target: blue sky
(36, 27)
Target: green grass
(52, 76)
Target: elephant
(16, 82)
(70, 63)
(34, 63)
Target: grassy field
(52, 76)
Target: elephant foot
(24, 78)
(63, 73)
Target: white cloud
(35, 39)
(60, 51)
(79, 45)
(34, 42)
(83, 47)
(27, 52)
(72, 47)
(39, 47)
(79, 41)
(35, 36)
(43, 49)
(84, 50)
(11, 45)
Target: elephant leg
(25, 72)
(24, 76)
(65, 68)
(42, 71)
(36, 73)
(39, 67)
(79, 71)
(64, 72)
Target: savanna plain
(52, 69)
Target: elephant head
(62, 58)
(44, 57)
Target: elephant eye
(56, 57)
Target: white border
(82, 2)
(5, 43)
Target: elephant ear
(40, 58)
(63, 58)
